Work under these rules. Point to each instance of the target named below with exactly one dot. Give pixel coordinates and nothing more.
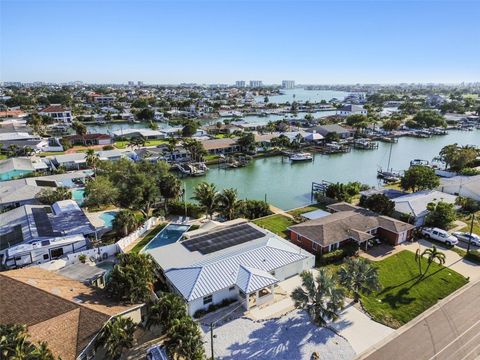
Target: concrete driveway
(453, 260)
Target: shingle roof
(349, 222)
(218, 143)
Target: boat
(303, 156)
(419, 162)
(389, 175)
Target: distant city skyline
(316, 42)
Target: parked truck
(439, 235)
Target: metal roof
(250, 279)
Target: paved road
(448, 331)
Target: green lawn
(277, 224)
(139, 246)
(476, 223)
(123, 143)
(3, 156)
(404, 297)
(51, 153)
(303, 210)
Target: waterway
(303, 95)
(287, 185)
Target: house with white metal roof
(466, 186)
(241, 262)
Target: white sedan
(466, 237)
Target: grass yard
(124, 143)
(277, 224)
(468, 220)
(313, 207)
(51, 153)
(402, 297)
(146, 239)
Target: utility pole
(211, 340)
(471, 231)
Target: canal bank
(287, 185)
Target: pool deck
(95, 218)
(145, 248)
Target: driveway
(291, 337)
(452, 259)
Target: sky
(169, 42)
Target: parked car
(439, 235)
(157, 352)
(464, 236)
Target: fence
(127, 240)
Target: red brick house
(348, 223)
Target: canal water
(287, 185)
(303, 95)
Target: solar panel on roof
(42, 222)
(223, 239)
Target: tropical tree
(321, 297)
(49, 196)
(165, 310)
(131, 280)
(378, 203)
(136, 142)
(359, 276)
(15, 344)
(458, 157)
(92, 159)
(228, 203)
(80, 129)
(253, 209)
(433, 255)
(184, 340)
(116, 336)
(440, 214)
(195, 148)
(170, 189)
(247, 142)
(207, 196)
(124, 222)
(418, 260)
(189, 129)
(100, 192)
(172, 144)
(419, 178)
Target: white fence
(94, 254)
(127, 240)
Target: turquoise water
(287, 185)
(168, 235)
(78, 195)
(108, 217)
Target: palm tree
(195, 148)
(124, 222)
(42, 352)
(432, 255)
(165, 310)
(172, 144)
(228, 203)
(320, 297)
(116, 336)
(170, 188)
(92, 159)
(418, 259)
(359, 276)
(184, 340)
(206, 194)
(137, 141)
(14, 344)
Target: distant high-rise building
(131, 83)
(256, 83)
(140, 83)
(288, 84)
(240, 84)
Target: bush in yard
(440, 215)
(378, 203)
(178, 208)
(108, 147)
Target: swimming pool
(108, 217)
(78, 195)
(168, 235)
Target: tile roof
(53, 109)
(349, 222)
(218, 143)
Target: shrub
(201, 312)
(337, 255)
(469, 172)
(178, 208)
(82, 258)
(108, 147)
(474, 256)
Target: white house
(240, 262)
(58, 113)
(415, 204)
(466, 186)
(347, 110)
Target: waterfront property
(349, 109)
(57, 113)
(63, 312)
(348, 224)
(238, 262)
(221, 146)
(415, 205)
(89, 139)
(168, 235)
(341, 131)
(466, 186)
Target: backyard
(403, 296)
(146, 239)
(277, 224)
(124, 143)
(305, 209)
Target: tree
(228, 203)
(343, 192)
(357, 120)
(419, 178)
(131, 280)
(378, 203)
(332, 137)
(247, 142)
(359, 276)
(207, 196)
(137, 141)
(185, 340)
(391, 125)
(15, 344)
(195, 148)
(320, 297)
(100, 192)
(189, 129)
(440, 215)
(50, 196)
(92, 159)
(170, 189)
(428, 119)
(124, 222)
(254, 209)
(145, 114)
(458, 157)
(164, 311)
(116, 336)
(432, 255)
(80, 128)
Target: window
(207, 299)
(45, 256)
(56, 253)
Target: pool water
(78, 195)
(108, 217)
(168, 235)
